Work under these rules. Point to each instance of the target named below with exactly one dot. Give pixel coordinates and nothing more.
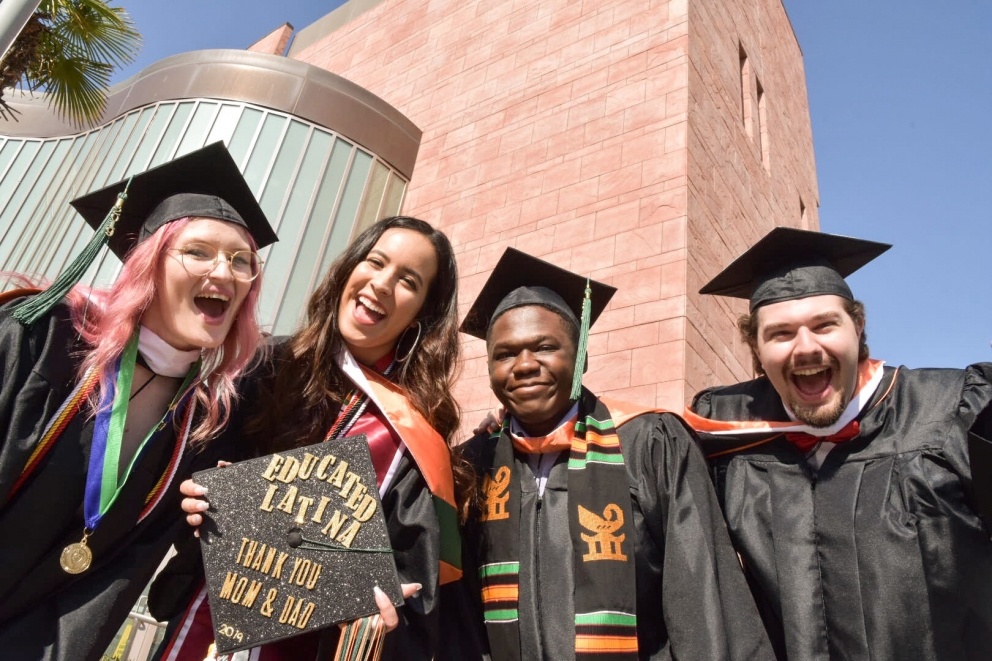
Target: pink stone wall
(733, 199)
(566, 129)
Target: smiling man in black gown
(851, 489)
(598, 533)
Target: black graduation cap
(789, 263)
(294, 542)
(520, 279)
(204, 183)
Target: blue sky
(900, 96)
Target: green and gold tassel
(582, 351)
(41, 304)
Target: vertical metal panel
(341, 230)
(368, 213)
(19, 206)
(195, 135)
(224, 126)
(72, 231)
(309, 240)
(152, 137)
(12, 191)
(36, 211)
(262, 152)
(328, 200)
(243, 138)
(173, 133)
(392, 200)
(50, 211)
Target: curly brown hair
(747, 324)
(309, 386)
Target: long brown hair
(309, 385)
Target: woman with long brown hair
(376, 355)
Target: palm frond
(77, 88)
(92, 29)
(84, 41)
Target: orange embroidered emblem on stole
(496, 495)
(603, 543)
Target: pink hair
(107, 318)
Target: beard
(822, 415)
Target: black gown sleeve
(685, 557)
(38, 374)
(976, 398)
(462, 623)
(415, 535)
(78, 623)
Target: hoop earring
(412, 346)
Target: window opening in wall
(746, 109)
(763, 125)
(803, 220)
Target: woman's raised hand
(194, 503)
(390, 618)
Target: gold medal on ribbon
(76, 558)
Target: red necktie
(806, 442)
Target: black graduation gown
(692, 599)
(879, 553)
(411, 521)
(44, 612)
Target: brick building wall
(738, 187)
(602, 136)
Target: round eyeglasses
(200, 259)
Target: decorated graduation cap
(788, 264)
(519, 280)
(205, 183)
(305, 530)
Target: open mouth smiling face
(213, 305)
(385, 292)
(197, 312)
(808, 347)
(813, 383)
(368, 310)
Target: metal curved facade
(324, 157)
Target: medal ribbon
(102, 484)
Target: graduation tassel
(39, 305)
(582, 351)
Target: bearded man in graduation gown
(596, 532)
(847, 484)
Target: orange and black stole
(602, 531)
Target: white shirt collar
(163, 358)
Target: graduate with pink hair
(111, 397)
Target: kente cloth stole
(602, 531)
